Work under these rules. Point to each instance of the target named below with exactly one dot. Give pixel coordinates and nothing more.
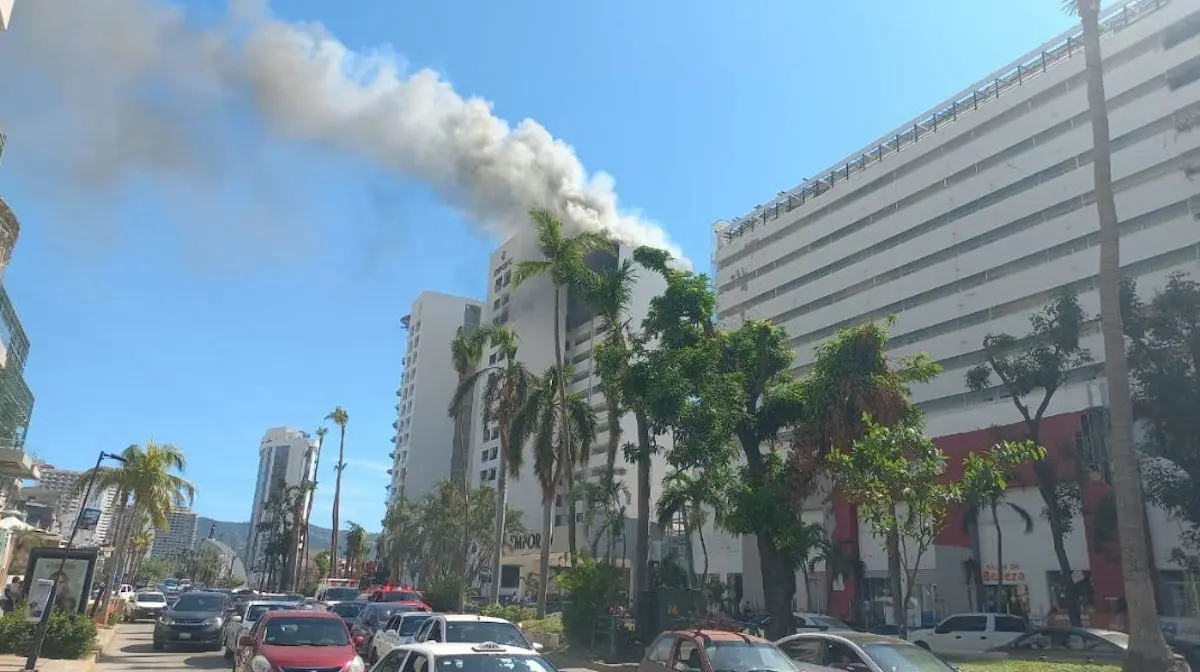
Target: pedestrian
(12, 594)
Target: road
(130, 651)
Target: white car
(240, 624)
(398, 631)
(472, 629)
(146, 604)
(970, 633)
(478, 657)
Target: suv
(970, 633)
(472, 629)
(196, 618)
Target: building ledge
(17, 464)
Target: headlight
(356, 665)
(215, 620)
(166, 620)
(260, 664)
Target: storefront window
(1180, 594)
(1058, 593)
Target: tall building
(179, 537)
(529, 311)
(966, 220)
(285, 459)
(426, 449)
(16, 400)
(62, 483)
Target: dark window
(292, 631)
(411, 622)
(415, 663)
(1181, 32)
(255, 612)
(208, 603)
(964, 624)
(661, 651)
(484, 631)
(401, 596)
(506, 663)
(804, 651)
(1010, 624)
(391, 662)
(1183, 75)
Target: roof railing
(1032, 64)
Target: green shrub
(67, 635)
(516, 613)
(590, 590)
(444, 594)
(552, 625)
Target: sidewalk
(563, 660)
(17, 663)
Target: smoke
(123, 91)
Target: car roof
(259, 603)
(466, 649)
(206, 593)
(720, 636)
(851, 636)
(471, 618)
(301, 613)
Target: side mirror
(245, 641)
(235, 619)
(537, 646)
(358, 639)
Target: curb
(104, 637)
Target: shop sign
(529, 541)
(1012, 573)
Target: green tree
(340, 417)
(553, 433)
(324, 562)
(356, 548)
(465, 355)
(1041, 362)
(986, 477)
(152, 570)
(563, 262)
(506, 386)
(686, 497)
(893, 476)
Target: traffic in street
(132, 650)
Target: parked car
(348, 611)
(403, 596)
(1071, 645)
(196, 619)
(372, 617)
(146, 604)
(240, 623)
(716, 651)
(298, 639)
(970, 633)
(472, 629)
(860, 652)
(481, 657)
(803, 621)
(398, 631)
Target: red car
(306, 640)
(715, 651)
(402, 596)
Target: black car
(196, 619)
(348, 610)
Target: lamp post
(35, 649)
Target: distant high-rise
(62, 483)
(179, 537)
(426, 449)
(285, 459)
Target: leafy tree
(609, 498)
(356, 548)
(1041, 362)
(324, 562)
(892, 474)
(986, 477)
(340, 417)
(1164, 361)
(687, 496)
(540, 423)
(562, 262)
(505, 389)
(152, 570)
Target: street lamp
(35, 650)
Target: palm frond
(1026, 519)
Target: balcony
(389, 473)
(396, 424)
(17, 464)
(392, 455)
(399, 390)
(393, 439)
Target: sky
(264, 285)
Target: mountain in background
(237, 535)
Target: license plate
(185, 635)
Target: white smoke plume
(134, 90)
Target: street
(130, 651)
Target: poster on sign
(1012, 573)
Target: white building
(966, 220)
(285, 459)
(62, 483)
(178, 538)
(529, 311)
(425, 444)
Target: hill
(237, 535)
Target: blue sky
(142, 329)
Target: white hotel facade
(966, 220)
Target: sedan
(1071, 645)
(860, 652)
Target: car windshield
(346, 611)
(151, 597)
(1119, 638)
(492, 663)
(747, 656)
(401, 596)
(338, 594)
(294, 597)
(485, 631)
(192, 602)
(829, 622)
(410, 624)
(305, 632)
(905, 658)
(255, 612)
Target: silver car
(240, 624)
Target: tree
(152, 570)
(506, 386)
(892, 474)
(562, 261)
(465, 355)
(306, 547)
(986, 477)
(356, 548)
(609, 497)
(324, 562)
(341, 418)
(1042, 361)
(1147, 649)
(686, 497)
(279, 529)
(553, 433)
(1164, 362)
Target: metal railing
(1032, 64)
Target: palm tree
(976, 504)
(312, 494)
(685, 495)
(147, 485)
(562, 261)
(341, 418)
(540, 423)
(1147, 649)
(506, 386)
(465, 355)
(356, 547)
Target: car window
(292, 631)
(156, 598)
(1010, 624)
(255, 612)
(805, 651)
(964, 624)
(687, 657)
(415, 663)
(346, 610)
(484, 631)
(660, 652)
(410, 624)
(392, 662)
(200, 603)
(491, 663)
(905, 657)
(393, 623)
(841, 656)
(423, 633)
(401, 596)
(742, 656)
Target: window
(964, 624)
(1179, 594)
(391, 662)
(841, 656)
(688, 657)
(416, 662)
(809, 651)
(485, 631)
(1010, 624)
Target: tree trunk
(808, 601)
(1057, 535)
(1001, 603)
(312, 494)
(641, 544)
(899, 605)
(131, 514)
(544, 555)
(704, 552)
(779, 587)
(337, 500)
(977, 568)
(1147, 649)
(567, 458)
(501, 510)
